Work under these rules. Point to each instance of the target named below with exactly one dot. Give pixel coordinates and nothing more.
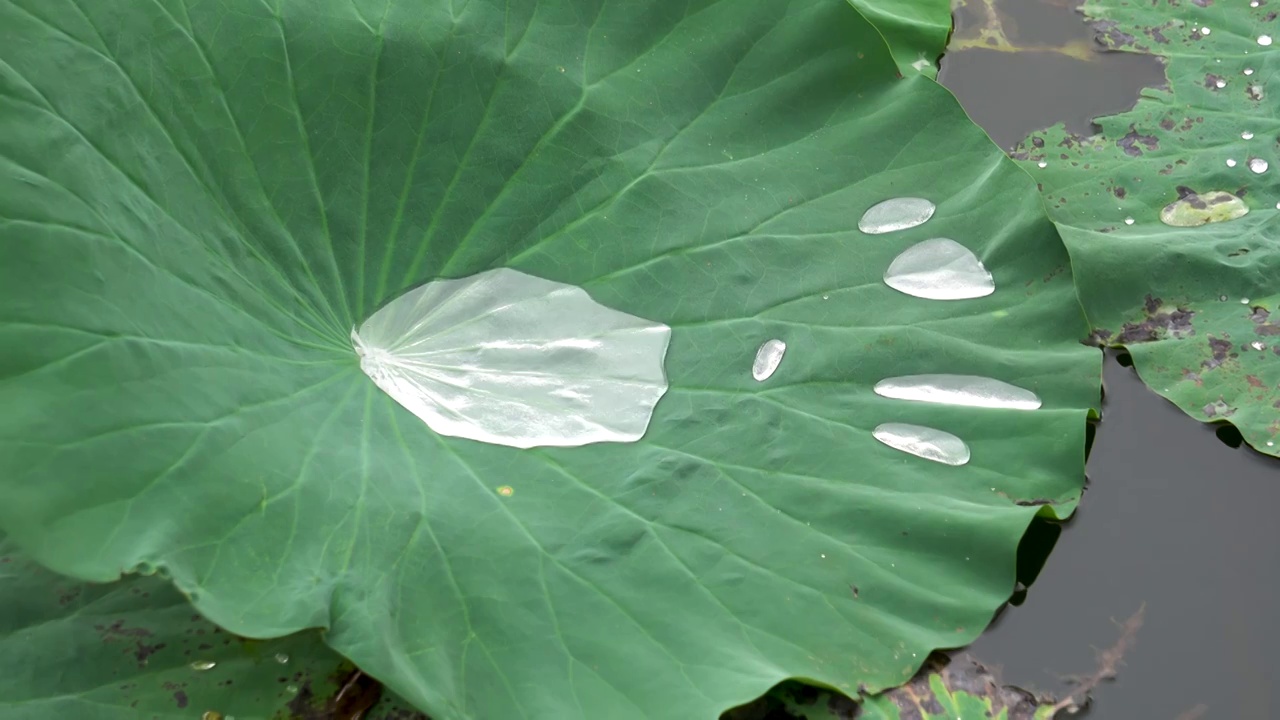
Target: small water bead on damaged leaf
(1246, 135)
(1258, 165)
(511, 359)
(1042, 164)
(768, 358)
(896, 214)
(1248, 71)
(939, 269)
(923, 442)
(1264, 40)
(968, 390)
(1193, 209)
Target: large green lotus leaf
(134, 649)
(200, 200)
(1192, 303)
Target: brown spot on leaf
(1221, 351)
(180, 698)
(1133, 142)
(1159, 323)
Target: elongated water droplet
(1128, 221)
(1264, 40)
(768, 357)
(924, 442)
(939, 269)
(969, 390)
(1248, 71)
(1195, 209)
(282, 658)
(1258, 165)
(203, 665)
(1246, 135)
(1042, 164)
(896, 214)
(511, 359)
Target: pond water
(1173, 518)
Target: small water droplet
(1231, 162)
(1270, 444)
(1205, 31)
(1257, 345)
(203, 665)
(1195, 209)
(923, 442)
(1042, 164)
(1246, 135)
(291, 689)
(1248, 71)
(768, 357)
(1220, 83)
(1244, 301)
(1253, 3)
(968, 390)
(1264, 40)
(896, 214)
(1255, 92)
(1258, 165)
(282, 658)
(823, 555)
(1222, 298)
(939, 269)
(1128, 221)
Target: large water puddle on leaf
(1040, 56)
(511, 359)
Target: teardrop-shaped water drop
(923, 442)
(896, 214)
(939, 269)
(768, 357)
(968, 390)
(203, 665)
(1258, 165)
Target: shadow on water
(1177, 514)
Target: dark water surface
(1173, 517)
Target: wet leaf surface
(1170, 212)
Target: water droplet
(969, 390)
(1195, 209)
(507, 358)
(896, 214)
(1042, 164)
(1205, 31)
(506, 491)
(1257, 345)
(1220, 83)
(203, 665)
(1246, 135)
(1244, 301)
(1255, 92)
(1222, 298)
(924, 442)
(211, 715)
(291, 689)
(1253, 3)
(1264, 40)
(768, 357)
(1231, 162)
(282, 658)
(1128, 221)
(939, 269)
(1258, 165)
(1248, 71)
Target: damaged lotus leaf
(1170, 213)
(135, 648)
(200, 201)
(944, 689)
